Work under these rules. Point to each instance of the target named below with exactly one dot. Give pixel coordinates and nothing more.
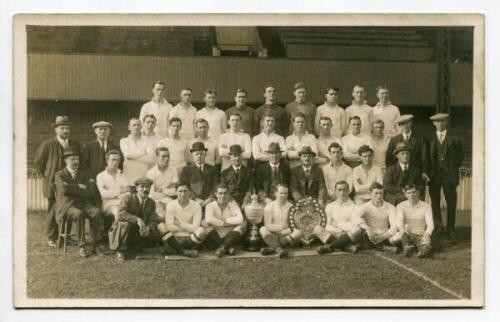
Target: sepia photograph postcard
(248, 160)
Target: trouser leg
(270, 239)
(450, 195)
(129, 236)
(96, 223)
(435, 194)
(341, 242)
(213, 240)
(231, 239)
(51, 224)
(78, 216)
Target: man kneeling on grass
(137, 222)
(225, 223)
(378, 220)
(342, 230)
(414, 218)
(276, 233)
(183, 223)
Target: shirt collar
(442, 132)
(277, 165)
(236, 168)
(403, 165)
(62, 141)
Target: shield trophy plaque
(306, 214)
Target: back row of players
(177, 147)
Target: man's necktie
(143, 203)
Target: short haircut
(241, 90)
(269, 85)
(186, 89)
(376, 185)
(150, 116)
(335, 88)
(160, 149)
(174, 119)
(235, 114)
(378, 88)
(334, 145)
(298, 114)
(364, 148)
(341, 182)
(221, 186)
(182, 184)
(111, 152)
(158, 82)
(409, 187)
(201, 120)
(282, 185)
(325, 118)
(299, 85)
(209, 91)
(359, 86)
(354, 117)
(133, 119)
(269, 114)
(378, 121)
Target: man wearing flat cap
(75, 190)
(445, 160)
(419, 155)
(93, 152)
(200, 176)
(48, 160)
(307, 179)
(400, 174)
(237, 177)
(137, 224)
(268, 175)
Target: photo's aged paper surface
(44, 80)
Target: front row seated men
(75, 192)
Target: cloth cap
(143, 180)
(401, 147)
(404, 118)
(439, 117)
(102, 124)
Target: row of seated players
(179, 224)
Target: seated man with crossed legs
(276, 233)
(342, 230)
(183, 225)
(225, 223)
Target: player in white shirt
(364, 175)
(159, 107)
(379, 143)
(333, 111)
(234, 136)
(187, 113)
(149, 134)
(212, 145)
(415, 223)
(324, 140)
(361, 109)
(336, 170)
(112, 185)
(342, 229)
(298, 139)
(261, 142)
(385, 111)
(178, 147)
(276, 233)
(164, 178)
(216, 118)
(353, 141)
(378, 220)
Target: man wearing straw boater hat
(75, 192)
(445, 160)
(238, 178)
(48, 160)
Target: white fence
(37, 202)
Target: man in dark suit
(269, 174)
(401, 174)
(200, 176)
(137, 224)
(74, 190)
(419, 154)
(307, 179)
(445, 160)
(237, 177)
(48, 160)
(93, 153)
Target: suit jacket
(130, 209)
(316, 183)
(69, 194)
(202, 186)
(453, 157)
(238, 185)
(263, 178)
(394, 181)
(48, 160)
(419, 153)
(93, 157)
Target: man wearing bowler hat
(445, 160)
(268, 175)
(238, 178)
(400, 174)
(307, 179)
(74, 191)
(200, 176)
(93, 152)
(48, 160)
(137, 224)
